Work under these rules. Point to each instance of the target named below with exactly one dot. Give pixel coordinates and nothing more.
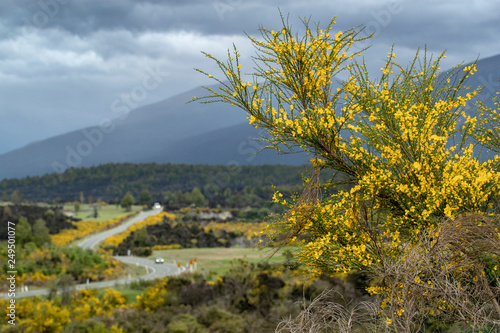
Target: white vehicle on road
(159, 260)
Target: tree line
(31, 220)
(111, 182)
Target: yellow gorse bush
(404, 148)
(167, 247)
(155, 219)
(35, 314)
(246, 229)
(152, 299)
(84, 228)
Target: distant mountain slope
(146, 134)
(238, 144)
(488, 74)
(172, 131)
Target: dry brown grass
(443, 276)
(448, 276)
(326, 315)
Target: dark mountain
(169, 131)
(487, 76)
(239, 144)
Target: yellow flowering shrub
(403, 149)
(43, 265)
(152, 299)
(112, 299)
(117, 239)
(166, 247)
(247, 229)
(86, 303)
(35, 314)
(44, 316)
(84, 228)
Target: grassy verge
(133, 271)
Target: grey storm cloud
(85, 17)
(412, 23)
(63, 62)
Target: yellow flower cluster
(41, 316)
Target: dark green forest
(52, 217)
(110, 182)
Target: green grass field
(106, 212)
(218, 260)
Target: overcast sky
(63, 63)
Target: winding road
(155, 270)
(91, 242)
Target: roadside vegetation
(177, 231)
(85, 228)
(246, 298)
(42, 256)
(111, 243)
(51, 264)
